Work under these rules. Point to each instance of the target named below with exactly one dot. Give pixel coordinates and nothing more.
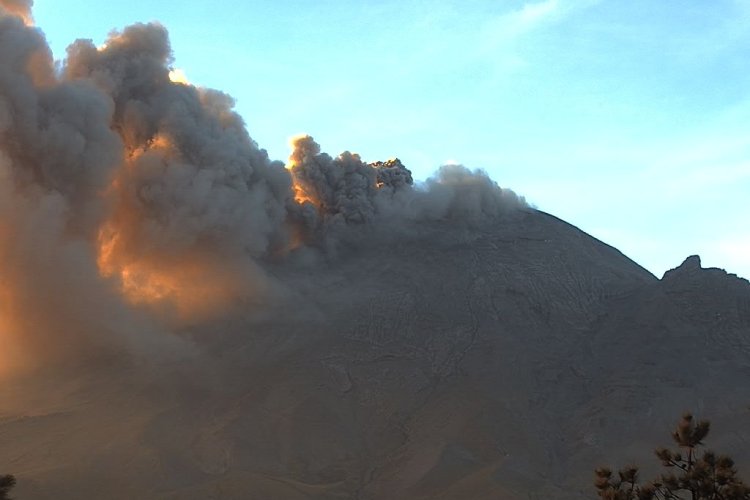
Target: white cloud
(529, 17)
(531, 13)
(505, 28)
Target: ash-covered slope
(501, 359)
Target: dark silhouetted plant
(690, 476)
(6, 484)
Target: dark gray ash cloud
(134, 193)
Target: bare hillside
(503, 359)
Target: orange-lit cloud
(20, 8)
(177, 75)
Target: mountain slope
(496, 359)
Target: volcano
(505, 358)
(182, 317)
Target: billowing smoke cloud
(20, 8)
(195, 193)
(455, 192)
(355, 192)
(345, 187)
(122, 191)
(58, 155)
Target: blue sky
(627, 119)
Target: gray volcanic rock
(496, 359)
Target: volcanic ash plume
(194, 192)
(124, 193)
(57, 152)
(347, 189)
(21, 8)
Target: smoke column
(128, 200)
